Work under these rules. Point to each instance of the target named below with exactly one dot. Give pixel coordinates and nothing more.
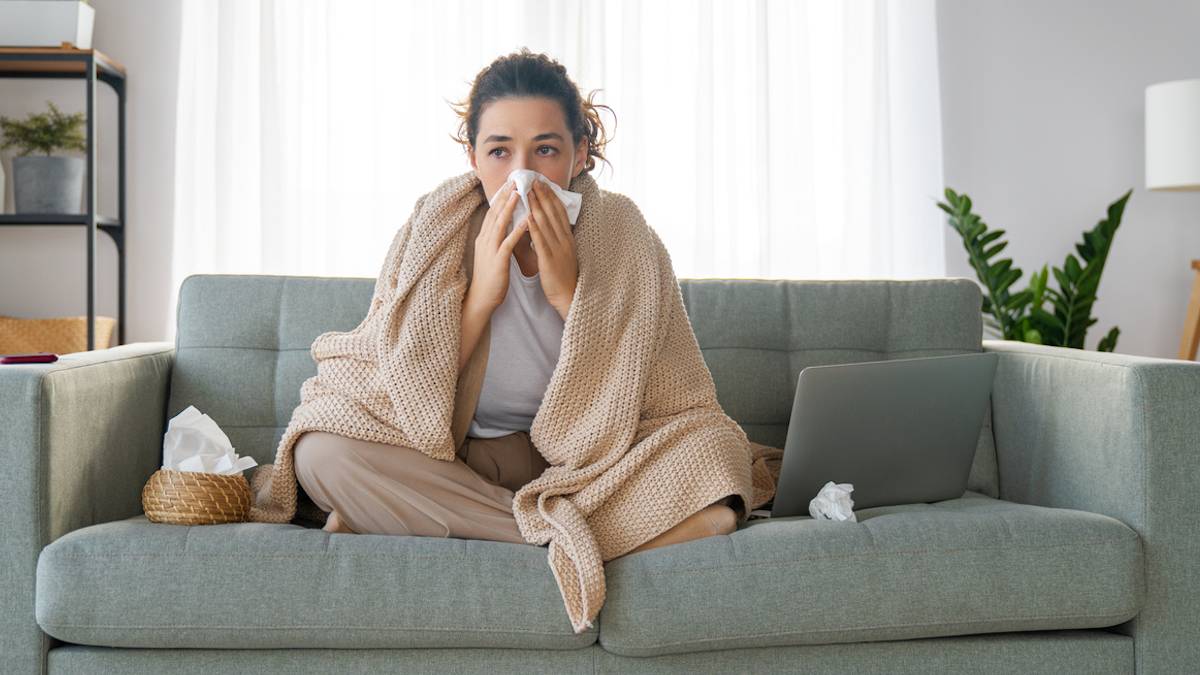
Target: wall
(1042, 109)
(43, 269)
(1042, 113)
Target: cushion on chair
(133, 583)
(969, 565)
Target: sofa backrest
(242, 343)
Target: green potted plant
(46, 183)
(1022, 315)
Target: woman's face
(525, 133)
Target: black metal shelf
(26, 219)
(110, 226)
(90, 66)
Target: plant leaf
(1109, 341)
(1078, 284)
(997, 302)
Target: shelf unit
(90, 66)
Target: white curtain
(766, 138)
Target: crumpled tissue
(833, 503)
(523, 180)
(194, 442)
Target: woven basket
(61, 335)
(196, 498)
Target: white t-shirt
(523, 350)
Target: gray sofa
(1074, 549)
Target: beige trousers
(385, 489)
(377, 488)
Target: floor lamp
(1173, 163)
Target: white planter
(46, 23)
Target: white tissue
(833, 503)
(523, 180)
(194, 442)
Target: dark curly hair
(523, 73)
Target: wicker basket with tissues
(201, 481)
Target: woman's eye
(540, 148)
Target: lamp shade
(1173, 135)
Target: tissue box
(196, 498)
(46, 23)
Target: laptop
(900, 430)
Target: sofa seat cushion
(960, 566)
(134, 583)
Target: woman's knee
(314, 453)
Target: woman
(523, 112)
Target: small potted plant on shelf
(46, 184)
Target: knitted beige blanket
(629, 423)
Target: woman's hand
(554, 244)
(489, 280)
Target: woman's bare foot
(716, 518)
(333, 523)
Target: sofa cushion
(960, 566)
(134, 583)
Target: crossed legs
(376, 488)
(386, 489)
(716, 518)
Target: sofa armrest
(78, 439)
(1118, 435)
